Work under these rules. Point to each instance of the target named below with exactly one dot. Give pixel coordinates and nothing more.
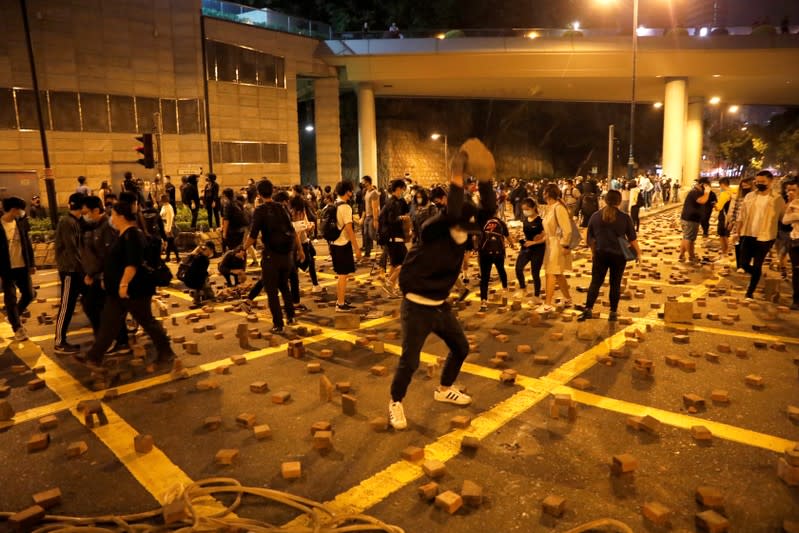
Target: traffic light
(146, 150)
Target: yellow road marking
(154, 471)
(752, 335)
(720, 430)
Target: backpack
(491, 239)
(383, 232)
(329, 216)
(280, 237)
(575, 236)
(237, 217)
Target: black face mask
(761, 186)
(745, 190)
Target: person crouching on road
(426, 279)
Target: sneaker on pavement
(585, 315)
(483, 306)
(119, 349)
(453, 396)
(21, 335)
(66, 348)
(300, 307)
(343, 308)
(276, 330)
(396, 415)
(740, 271)
(613, 316)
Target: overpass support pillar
(367, 132)
(693, 141)
(328, 131)
(674, 110)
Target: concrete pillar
(367, 132)
(693, 141)
(674, 110)
(327, 131)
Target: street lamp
(437, 136)
(631, 158)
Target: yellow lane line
(752, 335)
(718, 429)
(84, 394)
(154, 471)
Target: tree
(738, 147)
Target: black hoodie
(434, 263)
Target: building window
(123, 114)
(145, 109)
(65, 109)
(169, 115)
(226, 62)
(94, 111)
(8, 111)
(188, 116)
(249, 152)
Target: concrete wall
(149, 48)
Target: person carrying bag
(612, 238)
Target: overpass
(682, 71)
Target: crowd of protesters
(419, 241)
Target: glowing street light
(309, 128)
(657, 105)
(437, 136)
(733, 109)
(441, 36)
(533, 35)
(576, 25)
(715, 100)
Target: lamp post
(631, 159)
(435, 137)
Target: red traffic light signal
(147, 159)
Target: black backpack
(237, 217)
(280, 235)
(491, 243)
(589, 205)
(329, 216)
(383, 230)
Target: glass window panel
(26, 108)
(217, 152)
(266, 70)
(227, 61)
(284, 153)
(145, 108)
(251, 152)
(211, 50)
(231, 152)
(189, 116)
(169, 115)
(123, 115)
(8, 115)
(65, 109)
(280, 70)
(94, 111)
(270, 153)
(247, 66)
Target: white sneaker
(396, 415)
(740, 271)
(451, 395)
(316, 288)
(21, 334)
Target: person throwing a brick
(428, 274)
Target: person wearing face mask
(533, 246)
(97, 240)
(558, 255)
(424, 210)
(692, 212)
(16, 264)
(757, 227)
(744, 188)
(70, 271)
(427, 277)
(791, 217)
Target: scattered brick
(246, 420)
(701, 434)
(554, 505)
(343, 386)
(291, 470)
(524, 348)
(413, 453)
(681, 339)
(281, 397)
(720, 396)
(657, 513)
(323, 440)
(6, 411)
(693, 400)
(428, 491)
(26, 519)
(226, 456)
(48, 498)
(449, 501)
(174, 512)
(710, 497)
(378, 370)
(379, 423)
(623, 464)
(76, 449)
(143, 443)
(238, 359)
(754, 380)
(472, 493)
(35, 384)
(46, 423)
(581, 384)
(325, 389)
(349, 404)
(460, 422)
(313, 368)
(207, 384)
(787, 473)
(712, 357)
(712, 522)
(470, 442)
(508, 376)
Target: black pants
(194, 213)
(599, 269)
(16, 278)
(635, 215)
(367, 232)
(94, 305)
(753, 253)
(72, 286)
(114, 313)
(705, 223)
(486, 262)
(234, 238)
(170, 247)
(310, 255)
(794, 254)
(737, 248)
(276, 269)
(419, 321)
(213, 214)
(535, 256)
(231, 280)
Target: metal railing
(266, 18)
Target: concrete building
(105, 67)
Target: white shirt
(301, 227)
(14, 244)
(168, 216)
(343, 217)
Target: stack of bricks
(562, 405)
